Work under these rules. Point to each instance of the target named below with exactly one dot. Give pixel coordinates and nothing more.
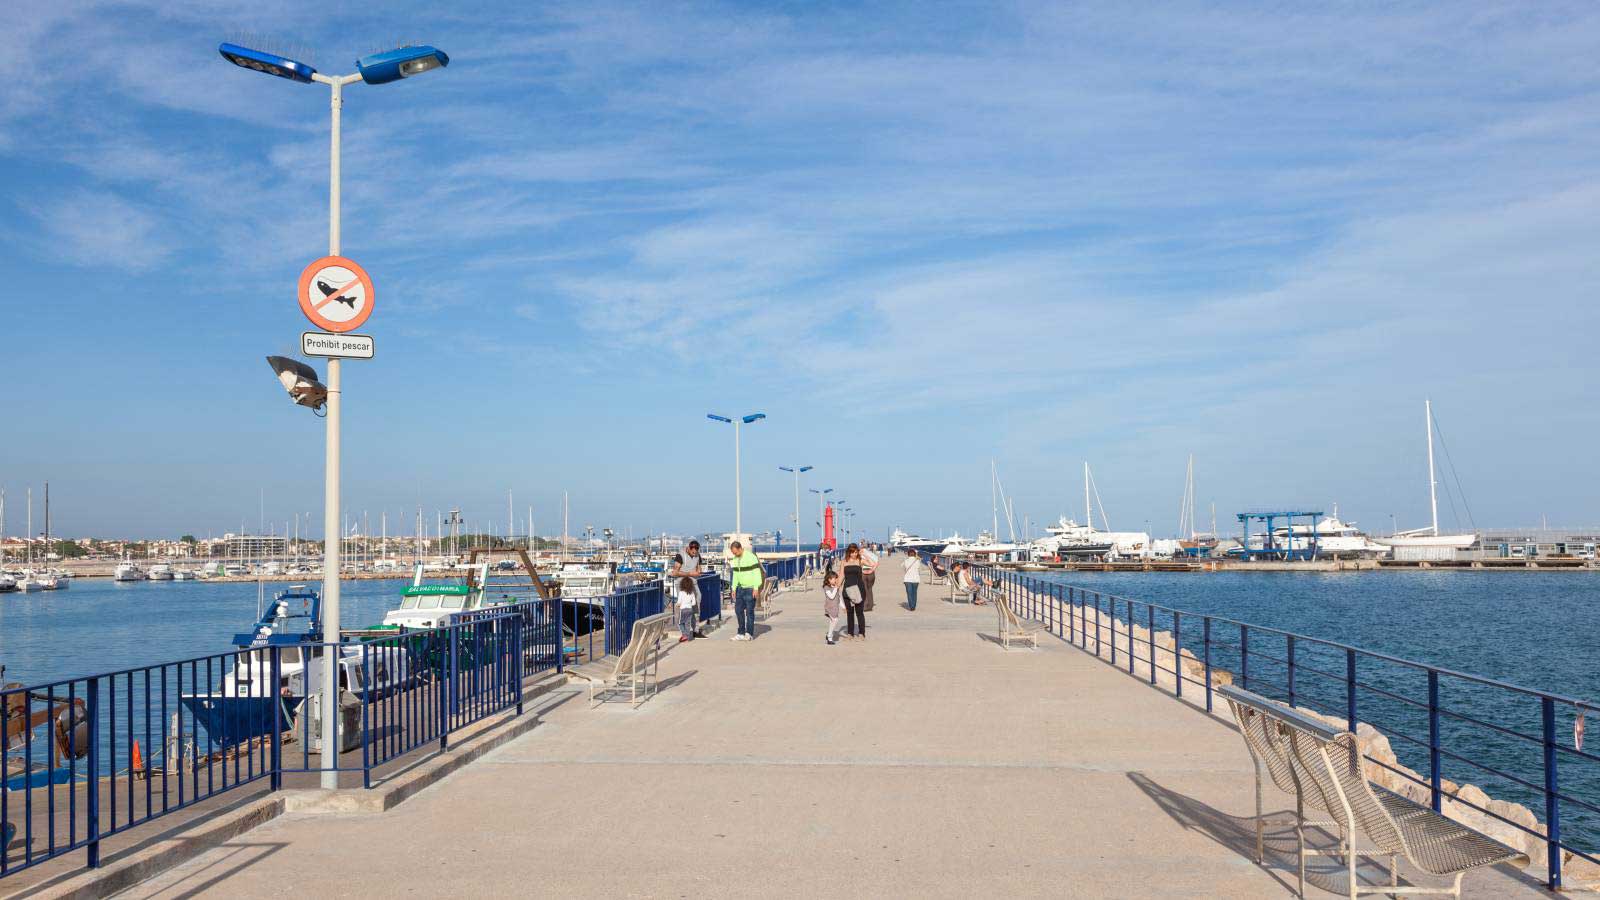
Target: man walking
(747, 578)
(913, 568)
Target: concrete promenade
(922, 762)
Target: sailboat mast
(1088, 514)
(994, 511)
(1433, 486)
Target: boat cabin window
(408, 603)
(428, 602)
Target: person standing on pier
(747, 578)
(689, 564)
(913, 577)
(854, 569)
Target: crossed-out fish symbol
(329, 290)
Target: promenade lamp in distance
(796, 470)
(738, 512)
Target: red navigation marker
(336, 294)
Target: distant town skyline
(1031, 233)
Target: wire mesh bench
(1324, 770)
(1013, 629)
(635, 667)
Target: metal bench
(1013, 628)
(960, 593)
(635, 667)
(1324, 769)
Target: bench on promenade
(1013, 628)
(763, 598)
(1324, 769)
(635, 667)
(960, 593)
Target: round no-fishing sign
(336, 294)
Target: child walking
(830, 604)
(687, 601)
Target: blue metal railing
(1502, 735)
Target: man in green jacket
(747, 578)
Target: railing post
(1130, 637)
(1205, 628)
(1290, 657)
(1350, 687)
(517, 651)
(1150, 632)
(1244, 657)
(277, 720)
(1177, 651)
(1112, 603)
(367, 697)
(92, 709)
(1552, 798)
(444, 691)
(1433, 738)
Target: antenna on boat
(1433, 485)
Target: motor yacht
(128, 571)
(160, 572)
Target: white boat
(1330, 538)
(128, 571)
(159, 572)
(900, 540)
(63, 579)
(585, 580)
(1427, 543)
(47, 581)
(432, 605)
(184, 575)
(7, 583)
(28, 582)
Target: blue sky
(919, 237)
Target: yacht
(1332, 537)
(1428, 543)
(1067, 539)
(900, 540)
(159, 572)
(63, 579)
(47, 581)
(28, 582)
(7, 583)
(184, 575)
(128, 571)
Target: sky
(919, 237)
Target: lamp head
(806, 468)
(300, 380)
(393, 65)
(716, 418)
(785, 469)
(754, 416)
(267, 63)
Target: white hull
(1449, 541)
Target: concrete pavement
(924, 761)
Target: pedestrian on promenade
(690, 564)
(913, 578)
(869, 575)
(854, 570)
(830, 604)
(747, 578)
(688, 602)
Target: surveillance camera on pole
(300, 380)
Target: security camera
(300, 380)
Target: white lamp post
(796, 470)
(738, 521)
(379, 68)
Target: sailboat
(1428, 543)
(1069, 539)
(988, 543)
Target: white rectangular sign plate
(337, 346)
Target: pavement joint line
(869, 763)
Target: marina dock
(925, 761)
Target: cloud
(100, 229)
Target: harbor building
(253, 545)
(1534, 543)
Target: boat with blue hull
(242, 706)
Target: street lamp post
(379, 68)
(796, 470)
(738, 512)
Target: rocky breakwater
(1096, 632)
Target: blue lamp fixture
(393, 65)
(738, 504)
(269, 63)
(796, 470)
